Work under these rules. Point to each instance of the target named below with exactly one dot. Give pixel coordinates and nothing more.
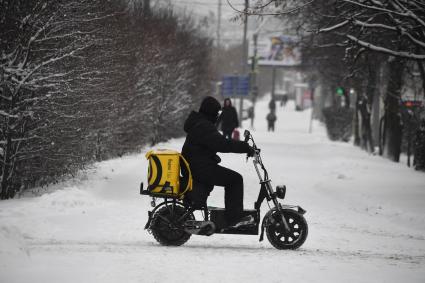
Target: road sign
(232, 86)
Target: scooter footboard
(217, 216)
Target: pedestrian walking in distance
(272, 105)
(228, 119)
(251, 115)
(271, 119)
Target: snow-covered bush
(338, 122)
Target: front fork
(271, 196)
(279, 209)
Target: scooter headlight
(281, 191)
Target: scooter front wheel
(284, 240)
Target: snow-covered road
(366, 219)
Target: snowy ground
(366, 220)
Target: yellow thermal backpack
(168, 174)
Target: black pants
(233, 190)
(270, 126)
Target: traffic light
(340, 91)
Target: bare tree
(45, 85)
(36, 37)
(85, 80)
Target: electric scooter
(172, 222)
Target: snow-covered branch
(334, 27)
(399, 29)
(388, 51)
(258, 9)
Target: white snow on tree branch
(386, 50)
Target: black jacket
(271, 117)
(203, 141)
(229, 119)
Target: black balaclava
(210, 108)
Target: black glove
(251, 152)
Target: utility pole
(254, 87)
(273, 81)
(255, 41)
(254, 67)
(244, 54)
(219, 25)
(312, 86)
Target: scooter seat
(197, 197)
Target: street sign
(228, 85)
(232, 86)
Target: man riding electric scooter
(202, 143)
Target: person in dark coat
(228, 119)
(200, 148)
(272, 105)
(271, 119)
(251, 115)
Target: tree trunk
(4, 184)
(6, 191)
(370, 94)
(422, 72)
(393, 127)
(376, 105)
(357, 122)
(333, 96)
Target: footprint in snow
(341, 176)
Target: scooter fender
(267, 217)
(150, 215)
(297, 208)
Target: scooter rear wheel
(292, 239)
(165, 228)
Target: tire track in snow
(377, 233)
(70, 246)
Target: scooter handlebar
(257, 152)
(246, 134)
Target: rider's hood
(194, 119)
